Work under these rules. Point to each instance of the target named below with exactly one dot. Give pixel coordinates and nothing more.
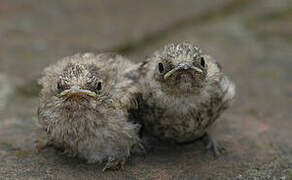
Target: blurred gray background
(252, 39)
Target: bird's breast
(180, 119)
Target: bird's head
(74, 82)
(180, 69)
(79, 82)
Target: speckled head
(74, 81)
(79, 81)
(180, 68)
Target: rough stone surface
(251, 39)
(34, 33)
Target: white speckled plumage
(181, 108)
(96, 129)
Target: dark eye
(98, 87)
(202, 62)
(59, 86)
(160, 67)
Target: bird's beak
(182, 66)
(76, 90)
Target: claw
(114, 164)
(40, 144)
(139, 149)
(213, 144)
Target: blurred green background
(252, 40)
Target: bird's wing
(129, 97)
(213, 66)
(125, 90)
(143, 67)
(226, 85)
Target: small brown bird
(183, 93)
(84, 106)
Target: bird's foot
(68, 152)
(41, 143)
(114, 164)
(149, 142)
(139, 149)
(213, 144)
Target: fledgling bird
(84, 105)
(183, 92)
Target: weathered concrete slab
(253, 44)
(34, 33)
(5, 91)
